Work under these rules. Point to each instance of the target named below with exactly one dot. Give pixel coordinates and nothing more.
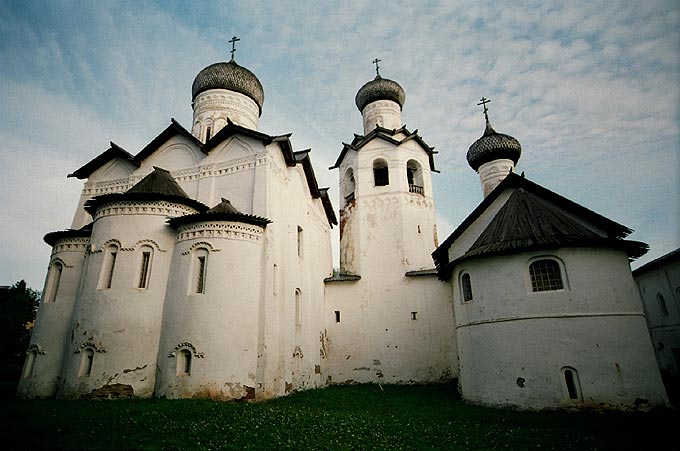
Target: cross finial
(377, 67)
(233, 41)
(484, 101)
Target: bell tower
(387, 216)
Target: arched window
(466, 286)
(200, 270)
(662, 304)
(53, 279)
(184, 362)
(86, 360)
(414, 174)
(106, 277)
(298, 307)
(30, 363)
(381, 174)
(349, 186)
(545, 275)
(145, 258)
(571, 382)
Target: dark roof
(158, 185)
(670, 257)
(421, 272)
(379, 89)
(52, 237)
(232, 129)
(535, 218)
(493, 146)
(114, 151)
(230, 76)
(171, 130)
(386, 134)
(159, 181)
(328, 207)
(224, 211)
(342, 278)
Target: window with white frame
(183, 362)
(199, 271)
(86, 360)
(53, 280)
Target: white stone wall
(383, 113)
(214, 106)
(121, 324)
(513, 343)
(51, 332)
(493, 173)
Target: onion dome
(380, 89)
(493, 146)
(229, 76)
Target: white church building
(201, 266)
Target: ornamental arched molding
(148, 242)
(181, 147)
(35, 347)
(201, 245)
(189, 346)
(97, 347)
(113, 241)
(58, 260)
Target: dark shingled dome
(493, 146)
(380, 89)
(229, 76)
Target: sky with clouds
(591, 89)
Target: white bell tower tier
(380, 102)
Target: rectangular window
(144, 270)
(200, 275)
(337, 316)
(414, 316)
(275, 279)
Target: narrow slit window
(572, 383)
(208, 133)
(108, 267)
(53, 280)
(144, 269)
(414, 316)
(299, 241)
(200, 274)
(86, 363)
(337, 316)
(466, 284)
(662, 304)
(184, 362)
(545, 275)
(298, 308)
(30, 363)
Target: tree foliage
(19, 304)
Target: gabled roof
(232, 129)
(158, 185)
(534, 217)
(173, 129)
(388, 135)
(115, 151)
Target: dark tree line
(19, 304)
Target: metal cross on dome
(377, 68)
(233, 41)
(484, 101)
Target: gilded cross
(233, 41)
(377, 68)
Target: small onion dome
(493, 146)
(229, 76)
(380, 89)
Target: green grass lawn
(336, 418)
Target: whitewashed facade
(202, 267)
